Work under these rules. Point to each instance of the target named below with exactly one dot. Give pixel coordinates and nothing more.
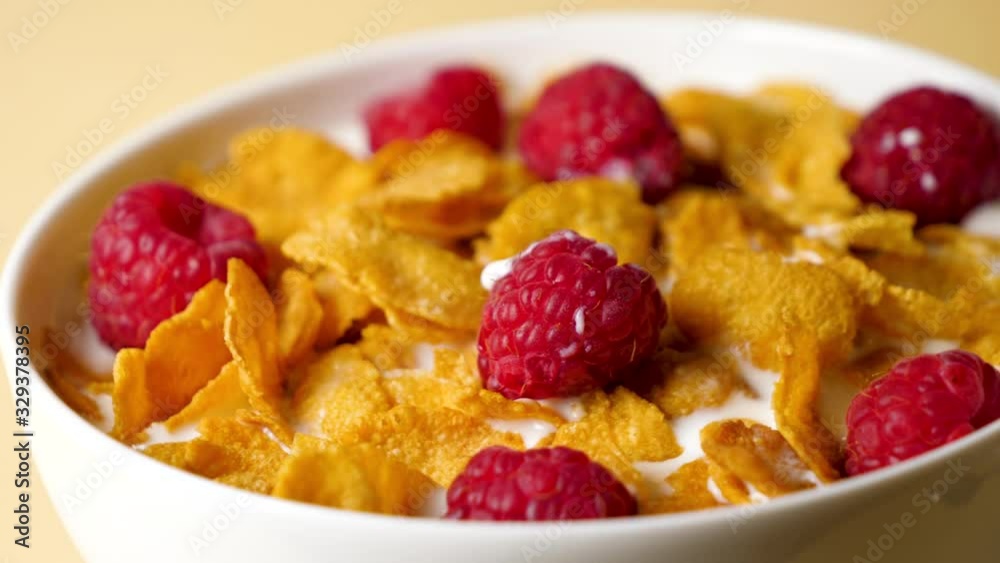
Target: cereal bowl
(119, 505)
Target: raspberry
(922, 403)
(153, 248)
(599, 120)
(566, 320)
(462, 99)
(543, 484)
(927, 151)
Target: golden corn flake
(948, 270)
(70, 381)
(171, 453)
(342, 306)
(979, 334)
(867, 285)
(603, 210)
(888, 230)
(755, 454)
(438, 443)
(956, 242)
(133, 406)
(492, 405)
(869, 366)
(737, 298)
(444, 186)
(421, 388)
(423, 330)
(388, 348)
(268, 169)
(618, 430)
(340, 388)
(222, 396)
(299, 316)
(235, 453)
(796, 411)
(443, 165)
(688, 490)
(395, 270)
(429, 390)
(458, 366)
(251, 333)
(799, 158)
(695, 381)
(735, 223)
(100, 387)
(182, 354)
(903, 311)
(358, 477)
(717, 127)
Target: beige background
(65, 76)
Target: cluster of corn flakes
(348, 378)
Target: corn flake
(251, 333)
(299, 316)
(756, 455)
(358, 477)
(736, 298)
(340, 388)
(688, 490)
(269, 168)
(342, 306)
(236, 453)
(606, 211)
(734, 220)
(438, 443)
(395, 270)
(618, 430)
(222, 396)
(695, 381)
(445, 186)
(182, 354)
(796, 412)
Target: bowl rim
(276, 79)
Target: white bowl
(120, 506)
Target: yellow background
(66, 77)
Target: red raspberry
(566, 320)
(154, 247)
(543, 484)
(462, 99)
(922, 403)
(927, 151)
(599, 120)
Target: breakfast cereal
(617, 337)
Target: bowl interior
(42, 280)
